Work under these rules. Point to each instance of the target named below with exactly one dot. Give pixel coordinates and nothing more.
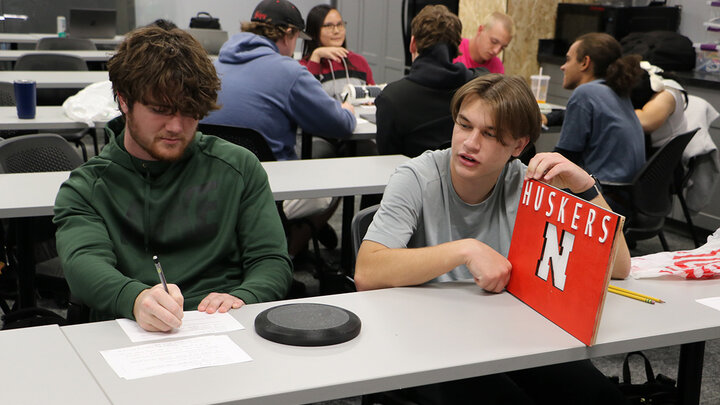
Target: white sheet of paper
(712, 302)
(170, 357)
(194, 323)
(360, 120)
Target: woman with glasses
(326, 56)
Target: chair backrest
(50, 61)
(56, 62)
(211, 40)
(7, 94)
(65, 44)
(37, 153)
(651, 192)
(245, 137)
(360, 223)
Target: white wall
(230, 12)
(694, 13)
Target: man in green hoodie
(203, 206)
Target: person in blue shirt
(601, 132)
(264, 89)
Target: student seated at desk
(326, 56)
(492, 37)
(600, 131)
(660, 105)
(449, 215)
(264, 89)
(202, 205)
(413, 113)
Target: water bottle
(61, 25)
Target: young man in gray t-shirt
(449, 215)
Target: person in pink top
(491, 38)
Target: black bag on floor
(205, 20)
(657, 390)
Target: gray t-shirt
(421, 208)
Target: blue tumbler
(25, 98)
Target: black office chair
(680, 179)
(648, 197)
(65, 44)
(245, 137)
(360, 223)
(50, 61)
(30, 242)
(55, 97)
(359, 226)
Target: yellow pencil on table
(633, 294)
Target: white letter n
(555, 258)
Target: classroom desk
(46, 118)
(33, 38)
(55, 79)
(410, 336)
(39, 366)
(364, 130)
(33, 194)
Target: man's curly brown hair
(166, 67)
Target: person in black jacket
(413, 113)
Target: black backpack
(665, 49)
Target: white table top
(39, 366)
(364, 130)
(410, 336)
(55, 79)
(88, 56)
(46, 118)
(33, 194)
(336, 177)
(31, 38)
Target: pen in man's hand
(160, 273)
(346, 96)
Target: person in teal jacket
(202, 205)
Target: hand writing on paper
(219, 302)
(490, 269)
(155, 310)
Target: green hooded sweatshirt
(210, 217)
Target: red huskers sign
(561, 251)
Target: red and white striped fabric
(703, 262)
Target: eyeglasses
(340, 26)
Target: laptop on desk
(92, 23)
